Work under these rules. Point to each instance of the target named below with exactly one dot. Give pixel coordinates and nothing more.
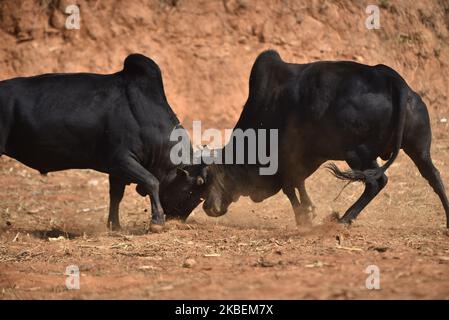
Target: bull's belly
(321, 146)
(45, 159)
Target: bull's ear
(180, 172)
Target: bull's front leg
(301, 215)
(307, 205)
(134, 172)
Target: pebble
(189, 263)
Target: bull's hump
(142, 72)
(264, 62)
(268, 54)
(269, 71)
(140, 65)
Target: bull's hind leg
(116, 191)
(417, 144)
(425, 166)
(372, 189)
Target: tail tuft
(353, 175)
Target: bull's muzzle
(213, 210)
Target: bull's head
(218, 191)
(180, 191)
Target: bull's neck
(240, 179)
(156, 151)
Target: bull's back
(342, 105)
(55, 122)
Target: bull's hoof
(114, 226)
(303, 220)
(304, 216)
(156, 228)
(345, 221)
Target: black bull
(326, 111)
(118, 124)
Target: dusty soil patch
(255, 251)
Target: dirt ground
(205, 50)
(255, 251)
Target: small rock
(56, 239)
(242, 40)
(166, 288)
(263, 262)
(35, 210)
(145, 267)
(212, 255)
(443, 120)
(380, 249)
(189, 263)
(316, 264)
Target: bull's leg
(133, 171)
(303, 210)
(417, 144)
(116, 191)
(289, 191)
(372, 188)
(306, 203)
(424, 163)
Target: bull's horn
(199, 181)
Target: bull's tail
(402, 91)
